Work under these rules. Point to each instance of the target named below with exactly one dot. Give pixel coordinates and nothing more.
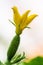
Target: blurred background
(31, 39)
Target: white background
(31, 39)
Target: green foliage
(1, 63)
(18, 58)
(35, 61)
(7, 63)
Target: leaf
(35, 61)
(21, 63)
(8, 63)
(1, 63)
(15, 57)
(18, 58)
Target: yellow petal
(24, 17)
(16, 16)
(28, 20)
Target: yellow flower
(21, 22)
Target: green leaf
(35, 61)
(8, 63)
(1, 63)
(18, 58)
(21, 63)
(15, 57)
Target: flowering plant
(20, 22)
